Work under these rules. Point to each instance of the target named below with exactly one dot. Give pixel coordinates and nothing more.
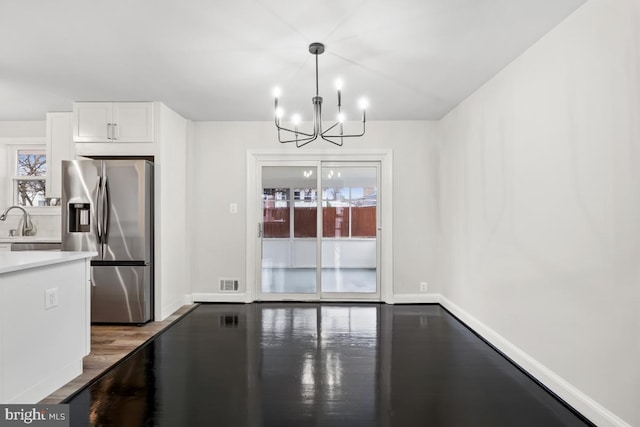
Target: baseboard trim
(582, 403)
(414, 299)
(50, 383)
(221, 297)
(169, 309)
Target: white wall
(217, 163)
(540, 208)
(171, 280)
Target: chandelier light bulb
(279, 112)
(296, 119)
(341, 117)
(363, 103)
(277, 92)
(339, 84)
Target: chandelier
(334, 134)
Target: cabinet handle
(116, 131)
(109, 131)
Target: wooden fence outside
(335, 222)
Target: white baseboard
(50, 383)
(221, 297)
(414, 299)
(168, 309)
(595, 412)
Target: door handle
(260, 229)
(98, 208)
(105, 210)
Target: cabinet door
(5, 247)
(59, 147)
(92, 121)
(133, 122)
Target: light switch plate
(50, 298)
(233, 208)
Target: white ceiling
(219, 60)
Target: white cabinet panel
(113, 122)
(92, 121)
(133, 122)
(59, 147)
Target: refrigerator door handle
(99, 211)
(105, 210)
(93, 282)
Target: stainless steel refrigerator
(107, 207)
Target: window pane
(363, 212)
(335, 212)
(32, 193)
(305, 212)
(31, 163)
(335, 221)
(275, 210)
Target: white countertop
(16, 261)
(30, 239)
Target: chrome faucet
(27, 226)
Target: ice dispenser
(79, 214)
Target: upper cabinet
(59, 147)
(113, 122)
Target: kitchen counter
(45, 322)
(42, 239)
(15, 261)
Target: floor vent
(229, 285)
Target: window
(275, 205)
(349, 212)
(30, 178)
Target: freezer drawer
(121, 294)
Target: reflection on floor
(303, 280)
(278, 364)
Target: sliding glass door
(349, 230)
(319, 231)
(289, 230)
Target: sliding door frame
(255, 160)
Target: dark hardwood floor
(294, 364)
(109, 345)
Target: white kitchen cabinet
(59, 147)
(113, 122)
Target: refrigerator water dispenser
(79, 214)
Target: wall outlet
(423, 287)
(50, 298)
(233, 208)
